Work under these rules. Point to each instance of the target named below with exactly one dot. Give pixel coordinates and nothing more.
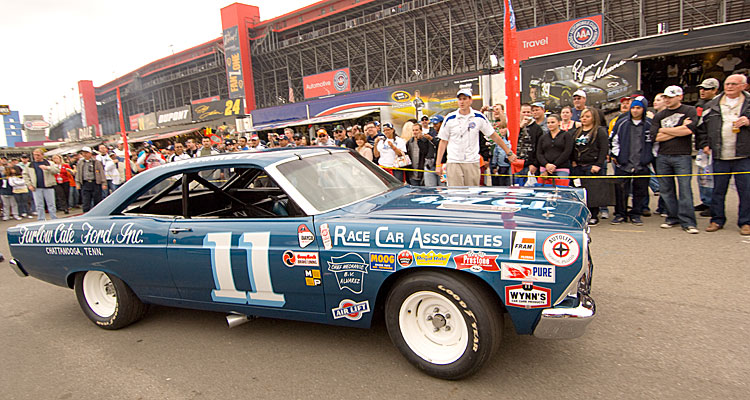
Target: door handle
(178, 230)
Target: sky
(49, 45)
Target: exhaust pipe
(234, 320)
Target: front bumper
(16, 266)
(566, 322)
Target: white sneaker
(5, 218)
(18, 218)
(604, 214)
(30, 216)
(667, 226)
(691, 229)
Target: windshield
(330, 181)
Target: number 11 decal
(256, 244)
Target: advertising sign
(217, 109)
(205, 100)
(562, 36)
(327, 83)
(147, 121)
(134, 121)
(233, 63)
(174, 116)
(4, 110)
(35, 125)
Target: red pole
(128, 170)
(512, 75)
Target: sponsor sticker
(312, 277)
(476, 262)
(351, 309)
(305, 236)
(561, 249)
(583, 33)
(523, 245)
(300, 258)
(350, 270)
(527, 272)
(432, 259)
(405, 258)
(382, 262)
(325, 234)
(527, 296)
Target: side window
(215, 193)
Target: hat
(170, 148)
(710, 83)
(436, 119)
(84, 149)
(112, 153)
(673, 91)
(348, 128)
(377, 123)
(229, 141)
(626, 98)
(338, 128)
(387, 125)
(254, 137)
(283, 137)
(538, 104)
(27, 156)
(465, 92)
(639, 101)
(297, 136)
(424, 118)
(579, 93)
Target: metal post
(385, 59)
(681, 13)
(450, 37)
(367, 63)
(426, 49)
(534, 8)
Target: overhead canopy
(163, 135)
(317, 120)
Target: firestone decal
(561, 249)
(527, 296)
(476, 262)
(351, 309)
(527, 272)
(350, 270)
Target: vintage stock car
(322, 235)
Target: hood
(533, 208)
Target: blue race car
(323, 235)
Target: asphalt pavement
(671, 325)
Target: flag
(512, 77)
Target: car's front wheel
(444, 324)
(107, 301)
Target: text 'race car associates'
(323, 235)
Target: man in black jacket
(528, 138)
(725, 131)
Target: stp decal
(350, 309)
(477, 262)
(527, 272)
(523, 245)
(404, 258)
(527, 296)
(382, 262)
(325, 233)
(305, 236)
(301, 258)
(350, 270)
(561, 249)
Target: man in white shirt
(460, 136)
(114, 171)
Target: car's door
(270, 261)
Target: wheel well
(393, 278)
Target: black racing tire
(108, 301)
(420, 314)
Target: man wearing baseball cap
(673, 128)
(431, 178)
(708, 89)
(579, 103)
(459, 134)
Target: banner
(562, 36)
(327, 83)
(233, 63)
(512, 83)
(147, 121)
(217, 109)
(134, 121)
(174, 116)
(205, 100)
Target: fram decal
(312, 277)
(527, 272)
(432, 259)
(351, 309)
(305, 236)
(527, 296)
(404, 258)
(350, 270)
(382, 262)
(523, 245)
(325, 234)
(561, 249)
(476, 262)
(300, 258)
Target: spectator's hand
(550, 168)
(484, 109)
(707, 150)
(687, 122)
(532, 168)
(512, 157)
(595, 169)
(32, 188)
(428, 136)
(741, 121)
(104, 186)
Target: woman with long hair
(590, 149)
(364, 149)
(566, 123)
(553, 152)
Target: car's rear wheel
(444, 324)
(107, 301)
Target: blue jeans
(721, 184)
(705, 194)
(41, 196)
(679, 208)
